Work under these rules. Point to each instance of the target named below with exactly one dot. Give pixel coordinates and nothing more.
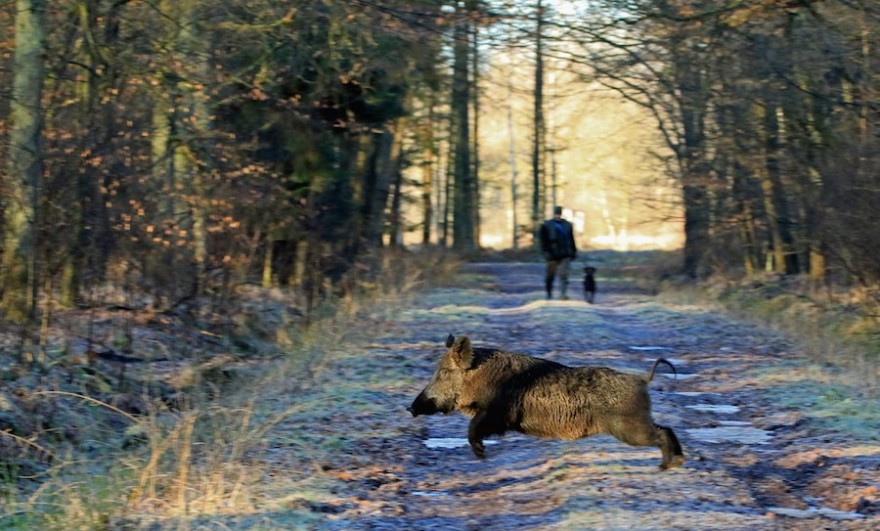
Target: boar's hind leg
(482, 426)
(669, 445)
(650, 434)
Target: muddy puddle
(679, 376)
(451, 442)
(813, 512)
(731, 432)
(715, 408)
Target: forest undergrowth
(136, 410)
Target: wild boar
(505, 391)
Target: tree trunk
(181, 125)
(785, 260)
(20, 273)
(692, 158)
(475, 151)
(511, 151)
(427, 175)
(268, 256)
(395, 236)
(164, 170)
(381, 174)
(696, 227)
(538, 138)
(94, 126)
(448, 182)
(747, 238)
(463, 227)
(198, 159)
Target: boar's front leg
(483, 425)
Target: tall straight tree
(475, 106)
(20, 274)
(197, 116)
(511, 154)
(181, 126)
(690, 85)
(538, 124)
(426, 138)
(463, 225)
(85, 256)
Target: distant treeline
(177, 147)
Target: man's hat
(557, 210)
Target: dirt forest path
(358, 460)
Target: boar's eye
(443, 372)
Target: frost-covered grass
(831, 398)
(837, 381)
(213, 455)
(840, 328)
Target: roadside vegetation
(137, 411)
(837, 327)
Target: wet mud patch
(715, 408)
(451, 442)
(730, 432)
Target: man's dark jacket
(557, 239)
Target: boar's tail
(654, 368)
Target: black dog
(589, 284)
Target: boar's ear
(450, 340)
(462, 353)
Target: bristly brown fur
(505, 391)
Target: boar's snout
(423, 405)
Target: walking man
(557, 244)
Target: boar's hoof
(675, 462)
(479, 449)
